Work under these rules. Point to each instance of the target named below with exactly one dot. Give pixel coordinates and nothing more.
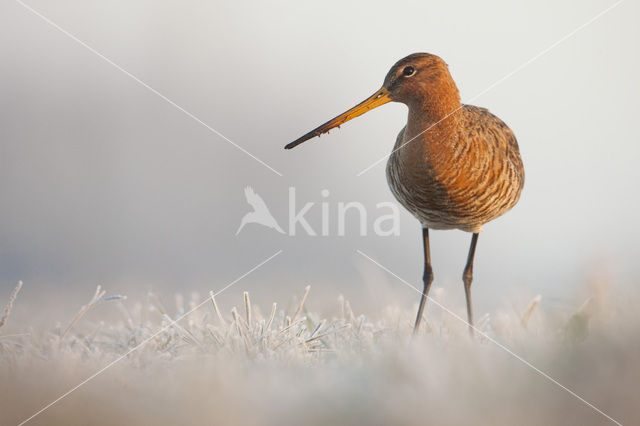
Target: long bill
(381, 97)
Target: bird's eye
(408, 71)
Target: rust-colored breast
(461, 174)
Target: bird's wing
(498, 138)
(254, 199)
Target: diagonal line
(173, 322)
(142, 83)
(498, 82)
(500, 345)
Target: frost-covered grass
(251, 364)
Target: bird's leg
(427, 278)
(467, 277)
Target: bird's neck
(437, 110)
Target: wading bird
(453, 166)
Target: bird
(260, 213)
(453, 165)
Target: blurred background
(103, 182)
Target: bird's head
(415, 79)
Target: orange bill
(381, 97)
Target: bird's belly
(439, 205)
(427, 203)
